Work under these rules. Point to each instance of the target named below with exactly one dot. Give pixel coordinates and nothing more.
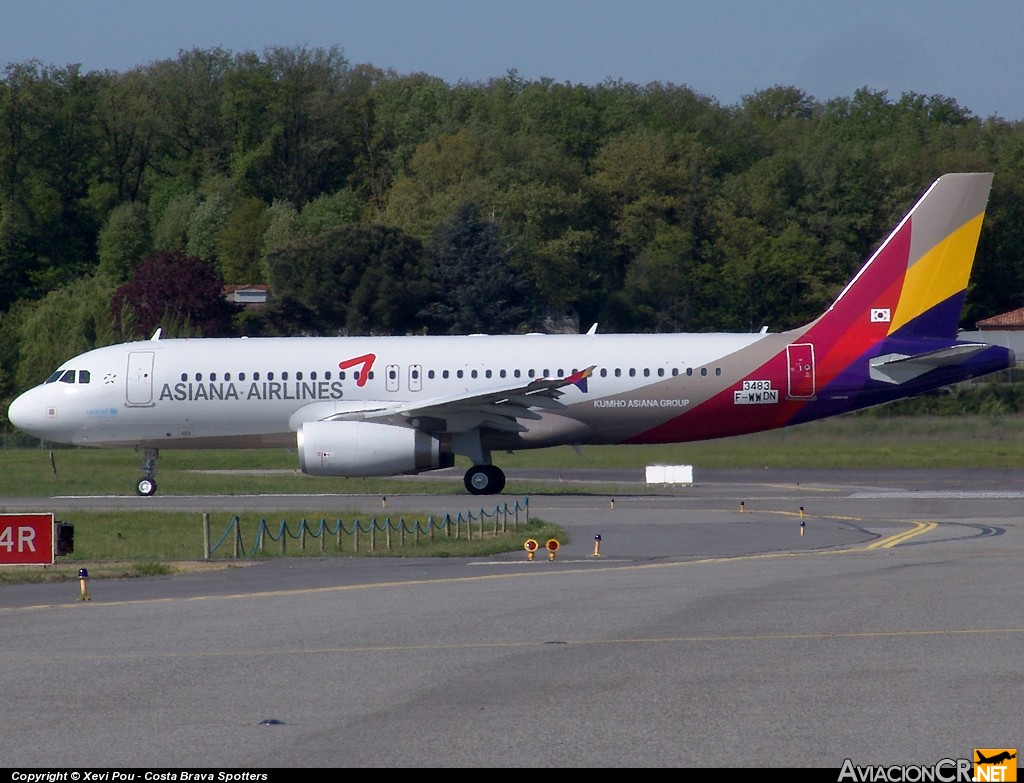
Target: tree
(357, 277)
(124, 241)
(477, 288)
(240, 243)
(180, 293)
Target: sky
(967, 50)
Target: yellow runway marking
(906, 535)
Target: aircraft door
(415, 377)
(800, 358)
(139, 384)
(391, 377)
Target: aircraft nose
(30, 414)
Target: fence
(500, 519)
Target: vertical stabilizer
(914, 284)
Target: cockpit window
(70, 376)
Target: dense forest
(373, 202)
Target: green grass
(864, 440)
(146, 542)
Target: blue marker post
(83, 577)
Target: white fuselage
(194, 393)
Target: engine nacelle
(362, 448)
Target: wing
(499, 408)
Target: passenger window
(199, 376)
(661, 372)
(241, 376)
(270, 376)
(284, 376)
(255, 376)
(703, 371)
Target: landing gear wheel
(484, 480)
(145, 487)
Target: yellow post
(597, 546)
(611, 504)
(83, 577)
(741, 506)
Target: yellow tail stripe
(939, 274)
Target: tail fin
(891, 333)
(914, 284)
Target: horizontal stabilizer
(899, 368)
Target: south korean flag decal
(881, 315)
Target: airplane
(384, 406)
(996, 759)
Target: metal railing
(362, 536)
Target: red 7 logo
(367, 360)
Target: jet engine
(361, 448)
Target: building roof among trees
(1012, 321)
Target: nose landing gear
(146, 485)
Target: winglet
(579, 378)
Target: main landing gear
(146, 485)
(484, 480)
